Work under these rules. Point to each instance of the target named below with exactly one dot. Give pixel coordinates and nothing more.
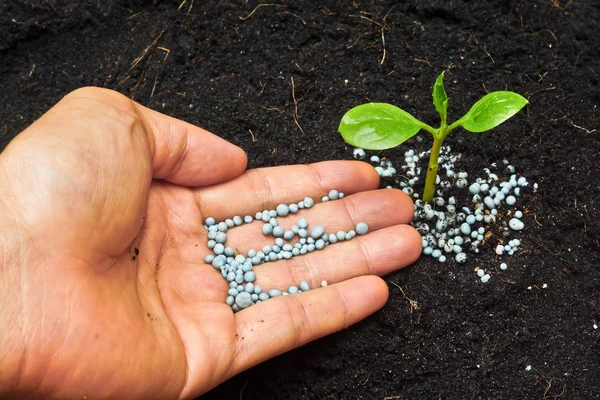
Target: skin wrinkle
(212, 348)
(366, 258)
(302, 324)
(161, 163)
(181, 151)
(96, 163)
(317, 177)
(179, 220)
(261, 187)
(351, 210)
(341, 296)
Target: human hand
(99, 176)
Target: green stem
(432, 169)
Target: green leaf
(440, 98)
(378, 126)
(492, 110)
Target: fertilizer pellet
(220, 237)
(243, 300)
(516, 224)
(282, 210)
(317, 232)
(237, 268)
(359, 154)
(209, 221)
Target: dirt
(215, 65)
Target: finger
(377, 253)
(284, 323)
(378, 208)
(188, 155)
(265, 188)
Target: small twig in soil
(272, 109)
(154, 86)
(190, 9)
(31, 72)
(122, 81)
(366, 18)
(528, 95)
(546, 30)
(137, 84)
(426, 61)
(484, 88)
(252, 134)
(383, 29)
(520, 10)
(259, 6)
(556, 4)
(489, 55)
(413, 304)
(358, 38)
(145, 52)
(134, 15)
(262, 89)
(570, 121)
(295, 106)
(300, 18)
(471, 37)
(564, 391)
(326, 11)
(243, 387)
(549, 382)
(167, 52)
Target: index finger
(264, 188)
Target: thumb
(187, 155)
(79, 177)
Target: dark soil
(231, 76)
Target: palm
(136, 311)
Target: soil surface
(217, 65)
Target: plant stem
(432, 169)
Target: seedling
(379, 126)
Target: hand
(99, 177)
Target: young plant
(379, 126)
